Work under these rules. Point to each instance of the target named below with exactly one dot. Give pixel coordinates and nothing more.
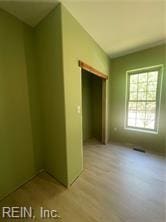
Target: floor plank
(117, 185)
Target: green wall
(48, 38)
(33, 86)
(119, 66)
(17, 155)
(77, 44)
(91, 106)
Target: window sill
(141, 130)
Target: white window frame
(158, 68)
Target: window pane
(152, 76)
(131, 122)
(151, 95)
(150, 115)
(141, 106)
(133, 87)
(141, 95)
(132, 106)
(133, 96)
(149, 124)
(132, 115)
(142, 86)
(143, 77)
(140, 123)
(133, 78)
(141, 114)
(151, 106)
(152, 86)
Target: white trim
(145, 68)
(160, 68)
(142, 130)
(126, 96)
(161, 87)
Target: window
(143, 98)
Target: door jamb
(104, 77)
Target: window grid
(144, 116)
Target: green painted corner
(48, 38)
(17, 158)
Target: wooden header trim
(92, 70)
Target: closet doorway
(93, 104)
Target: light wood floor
(117, 185)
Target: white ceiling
(121, 27)
(118, 26)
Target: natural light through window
(142, 100)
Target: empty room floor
(117, 185)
